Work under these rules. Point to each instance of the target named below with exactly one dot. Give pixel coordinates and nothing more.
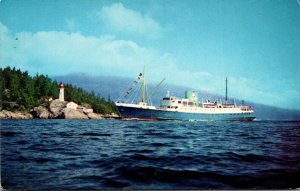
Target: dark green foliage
(19, 91)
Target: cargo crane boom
(156, 88)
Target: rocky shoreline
(4, 114)
(56, 110)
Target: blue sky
(255, 43)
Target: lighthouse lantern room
(61, 91)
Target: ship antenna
(226, 91)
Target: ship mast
(143, 87)
(226, 91)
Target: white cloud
(57, 53)
(60, 53)
(3, 30)
(121, 19)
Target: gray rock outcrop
(4, 114)
(94, 116)
(41, 112)
(68, 113)
(56, 107)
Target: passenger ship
(187, 108)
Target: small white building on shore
(72, 105)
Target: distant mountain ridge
(112, 87)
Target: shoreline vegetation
(26, 97)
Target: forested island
(22, 93)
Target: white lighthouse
(61, 92)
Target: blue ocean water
(104, 154)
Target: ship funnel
(191, 95)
